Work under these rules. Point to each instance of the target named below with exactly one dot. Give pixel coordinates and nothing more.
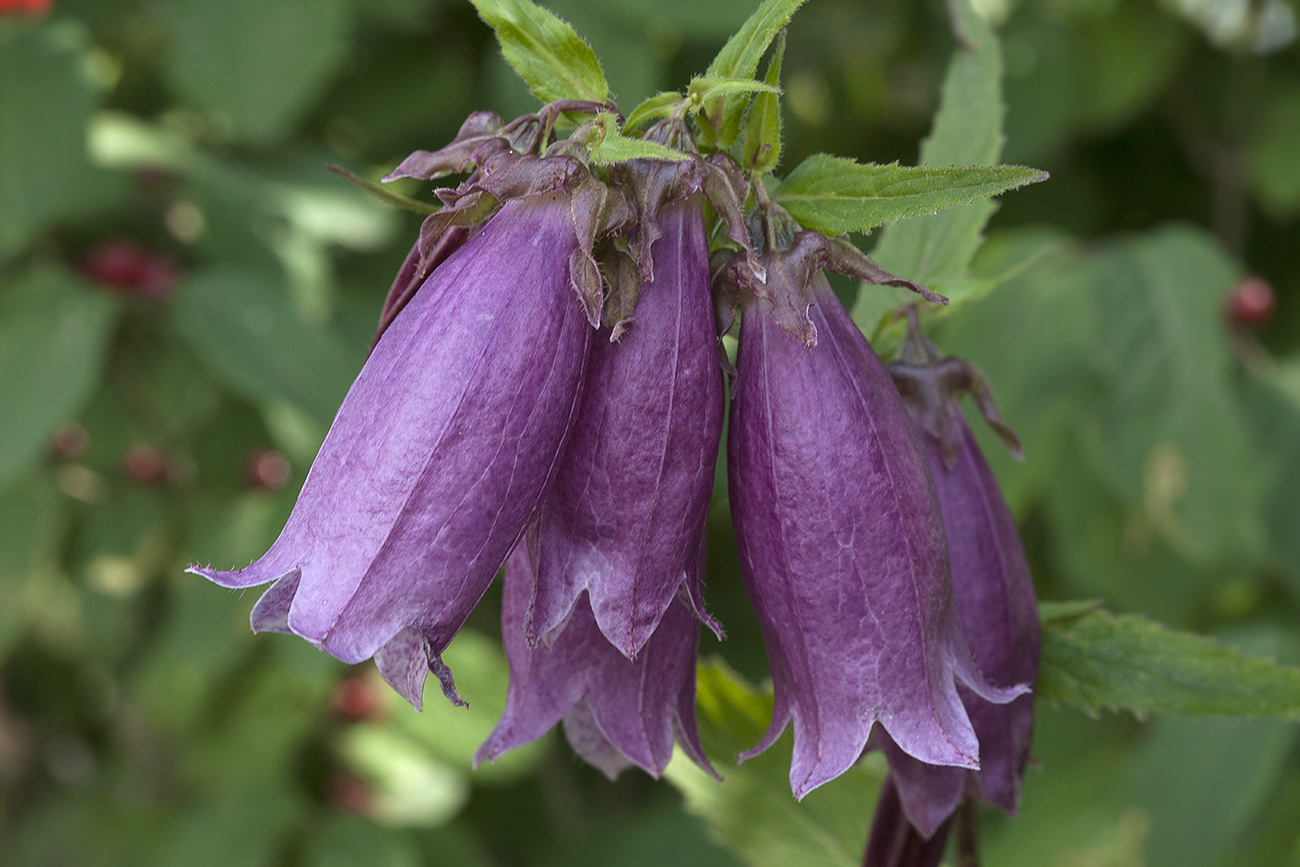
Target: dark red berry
(69, 441)
(356, 699)
(1251, 303)
(129, 269)
(267, 469)
(25, 7)
(349, 792)
(146, 464)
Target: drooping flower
(893, 842)
(993, 588)
(625, 521)
(617, 712)
(439, 456)
(626, 516)
(841, 541)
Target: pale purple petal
(443, 448)
(997, 607)
(629, 503)
(608, 702)
(842, 550)
(403, 663)
(271, 613)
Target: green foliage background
(140, 722)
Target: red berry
(267, 469)
(349, 792)
(128, 268)
(1251, 303)
(357, 699)
(25, 7)
(144, 463)
(69, 440)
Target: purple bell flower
(893, 841)
(617, 712)
(841, 541)
(626, 518)
(992, 585)
(440, 455)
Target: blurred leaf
(247, 827)
(739, 59)
(345, 840)
(45, 100)
(84, 830)
(1273, 151)
(1101, 547)
(53, 338)
(1170, 428)
(835, 195)
(935, 250)
(1101, 661)
(649, 837)
(1071, 812)
(257, 66)
(752, 811)
(1202, 781)
(241, 324)
(411, 787)
(546, 52)
(1273, 401)
(27, 511)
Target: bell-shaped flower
(841, 541)
(616, 712)
(893, 842)
(993, 588)
(440, 454)
(624, 520)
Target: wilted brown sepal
(844, 258)
(726, 189)
(931, 384)
(477, 130)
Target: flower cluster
(547, 393)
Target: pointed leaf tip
(545, 51)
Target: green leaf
(1100, 660)
(546, 52)
(612, 147)
(658, 106)
(1203, 782)
(1273, 152)
(346, 840)
(835, 195)
(241, 324)
(53, 337)
(762, 151)
(752, 812)
(1171, 431)
(936, 250)
(739, 59)
(707, 87)
(256, 66)
(44, 173)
